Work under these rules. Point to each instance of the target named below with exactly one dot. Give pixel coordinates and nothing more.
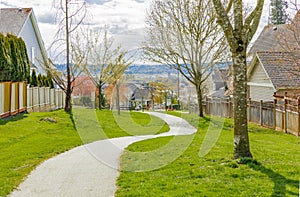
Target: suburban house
(273, 72)
(21, 22)
(83, 87)
(141, 96)
(283, 37)
(275, 65)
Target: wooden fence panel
(7, 98)
(36, 99)
(42, 98)
(268, 117)
(52, 99)
(14, 106)
(282, 114)
(59, 96)
(1, 99)
(16, 97)
(254, 112)
(29, 100)
(292, 122)
(22, 97)
(279, 120)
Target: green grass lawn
(26, 141)
(97, 125)
(274, 171)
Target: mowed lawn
(274, 170)
(26, 141)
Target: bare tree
(184, 35)
(102, 54)
(70, 15)
(118, 67)
(239, 32)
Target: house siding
(259, 75)
(258, 93)
(263, 88)
(29, 37)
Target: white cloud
(124, 18)
(119, 15)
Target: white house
(273, 72)
(21, 22)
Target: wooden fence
(16, 97)
(283, 114)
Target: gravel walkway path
(91, 169)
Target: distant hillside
(138, 69)
(149, 69)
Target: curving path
(91, 169)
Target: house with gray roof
(273, 72)
(283, 37)
(22, 22)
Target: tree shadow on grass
(280, 182)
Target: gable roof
(277, 37)
(282, 68)
(12, 20)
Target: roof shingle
(13, 19)
(283, 68)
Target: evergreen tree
(39, 80)
(278, 12)
(5, 60)
(25, 65)
(50, 81)
(33, 81)
(14, 62)
(45, 81)
(14, 75)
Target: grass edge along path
(274, 171)
(26, 141)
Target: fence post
(249, 110)
(261, 112)
(274, 111)
(285, 113)
(298, 110)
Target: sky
(124, 18)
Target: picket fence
(16, 97)
(282, 114)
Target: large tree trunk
(118, 98)
(100, 95)
(68, 104)
(241, 140)
(200, 101)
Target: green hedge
(14, 62)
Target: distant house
(21, 22)
(219, 80)
(271, 72)
(83, 87)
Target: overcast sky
(125, 18)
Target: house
(21, 22)
(219, 80)
(273, 72)
(283, 37)
(83, 87)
